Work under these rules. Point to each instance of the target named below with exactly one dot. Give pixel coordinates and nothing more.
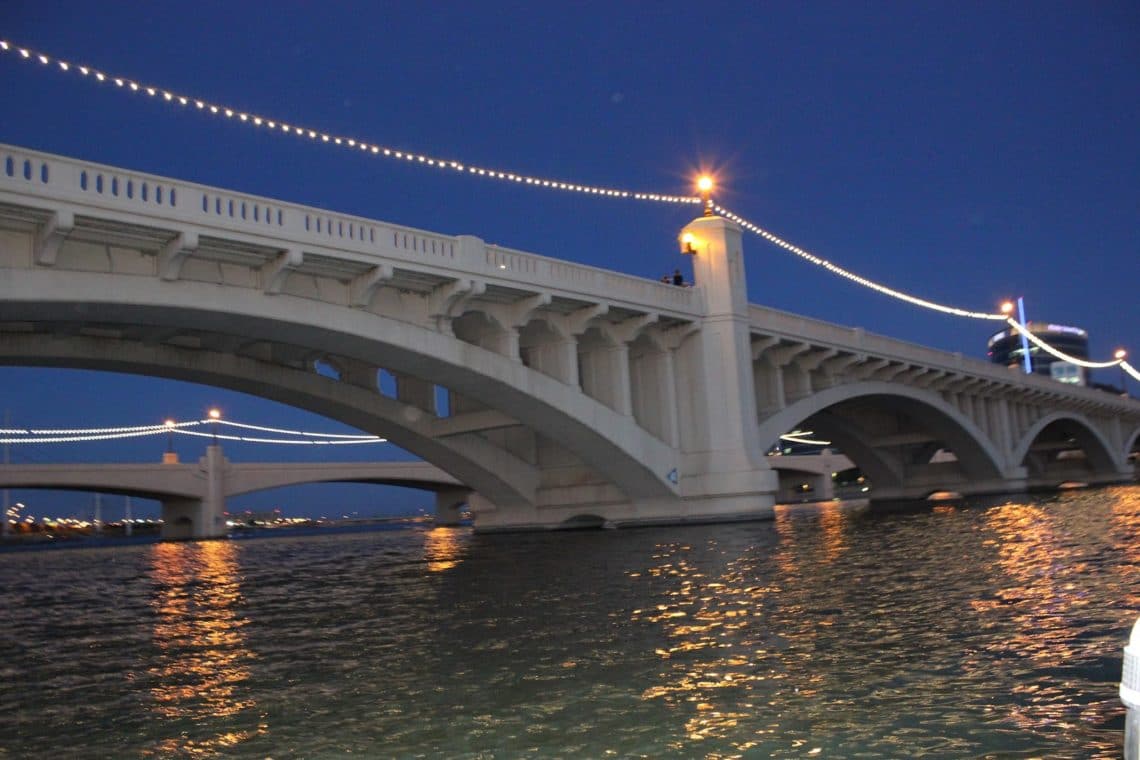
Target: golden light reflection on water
(711, 662)
(442, 549)
(1045, 559)
(1124, 532)
(745, 660)
(202, 656)
(720, 647)
(828, 533)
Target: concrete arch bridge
(551, 390)
(193, 494)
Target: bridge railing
(856, 340)
(160, 200)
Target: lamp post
(704, 187)
(1119, 356)
(169, 457)
(215, 415)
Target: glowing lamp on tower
(704, 187)
(215, 414)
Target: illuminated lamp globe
(1120, 354)
(1007, 307)
(705, 183)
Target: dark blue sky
(963, 152)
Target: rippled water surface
(984, 630)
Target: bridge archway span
(978, 456)
(1099, 452)
(107, 485)
(632, 459)
(254, 478)
(482, 467)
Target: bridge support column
(449, 504)
(725, 472)
(184, 519)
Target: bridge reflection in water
(202, 661)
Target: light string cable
(840, 271)
(281, 127)
(800, 436)
(285, 441)
(1071, 359)
(274, 125)
(77, 435)
(457, 166)
(282, 431)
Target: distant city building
(1006, 348)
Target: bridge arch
(1100, 455)
(476, 463)
(846, 415)
(252, 477)
(109, 483)
(628, 456)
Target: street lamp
(704, 187)
(169, 457)
(1119, 356)
(687, 244)
(215, 415)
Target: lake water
(982, 630)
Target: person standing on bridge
(678, 278)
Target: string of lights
(1117, 362)
(78, 438)
(144, 429)
(286, 441)
(78, 435)
(1059, 354)
(799, 436)
(367, 147)
(316, 135)
(838, 270)
(263, 429)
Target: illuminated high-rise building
(1006, 348)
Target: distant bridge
(185, 490)
(572, 391)
(189, 492)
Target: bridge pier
(188, 519)
(449, 504)
(724, 471)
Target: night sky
(961, 152)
